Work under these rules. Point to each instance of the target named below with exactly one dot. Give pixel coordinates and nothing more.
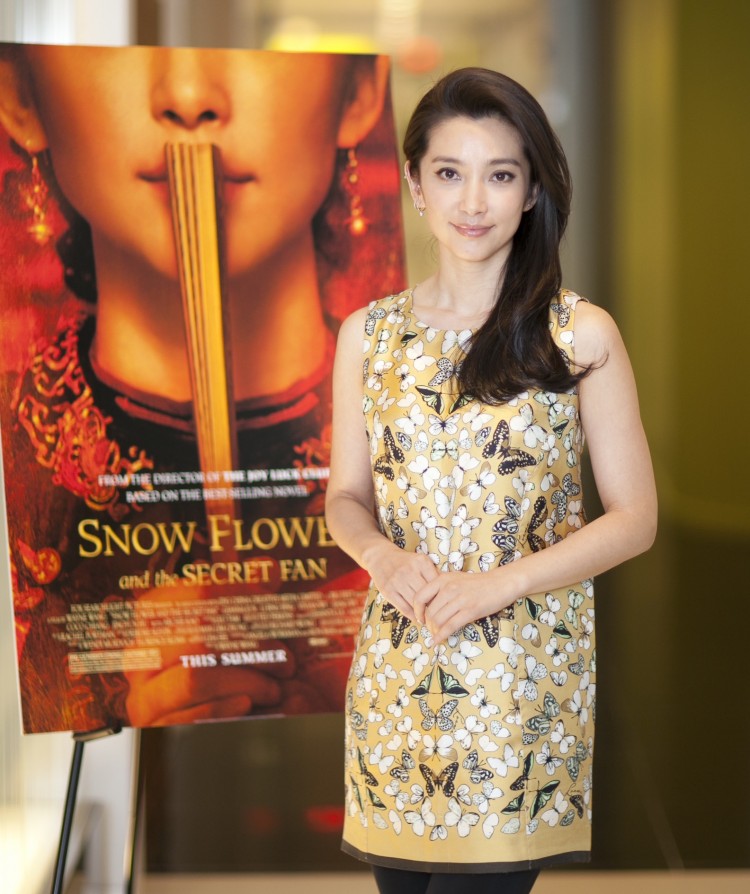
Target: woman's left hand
(454, 599)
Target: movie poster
(182, 232)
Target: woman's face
(474, 182)
(107, 114)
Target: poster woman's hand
(192, 684)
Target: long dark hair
(513, 350)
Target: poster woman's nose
(189, 89)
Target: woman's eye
(447, 174)
(503, 176)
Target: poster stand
(132, 838)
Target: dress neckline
(417, 322)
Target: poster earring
(357, 223)
(35, 196)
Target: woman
(471, 700)
(94, 122)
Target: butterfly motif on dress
(515, 805)
(560, 497)
(377, 313)
(397, 532)
(477, 773)
(482, 436)
(542, 797)
(453, 338)
(368, 776)
(393, 453)
(404, 440)
(538, 517)
(461, 401)
(401, 771)
(412, 635)
(577, 801)
(508, 524)
(536, 671)
(578, 667)
(511, 458)
(507, 544)
(381, 346)
(399, 623)
(563, 313)
(554, 407)
(548, 760)
(528, 765)
(574, 761)
(542, 722)
(432, 398)
(358, 722)
(505, 530)
(357, 793)
(490, 625)
(446, 370)
(447, 426)
(444, 781)
(440, 718)
(356, 719)
(442, 448)
(571, 613)
(559, 427)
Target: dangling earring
(357, 223)
(420, 209)
(34, 196)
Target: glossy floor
(361, 883)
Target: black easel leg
(67, 823)
(134, 842)
(79, 740)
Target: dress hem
(458, 868)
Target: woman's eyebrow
(444, 159)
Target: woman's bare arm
(350, 496)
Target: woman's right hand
(397, 574)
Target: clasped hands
(442, 601)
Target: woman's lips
(471, 231)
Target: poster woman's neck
(277, 334)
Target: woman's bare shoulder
(596, 334)
(352, 330)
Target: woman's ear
(365, 103)
(532, 197)
(414, 188)
(18, 113)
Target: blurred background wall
(649, 97)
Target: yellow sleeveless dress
(472, 755)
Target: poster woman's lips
(231, 183)
(159, 175)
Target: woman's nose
(189, 89)
(473, 198)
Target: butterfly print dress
(473, 754)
